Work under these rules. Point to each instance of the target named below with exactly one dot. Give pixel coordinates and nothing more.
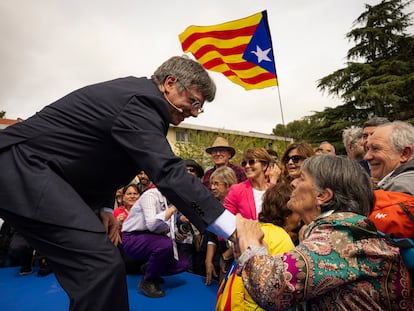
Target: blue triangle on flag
(261, 41)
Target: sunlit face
(219, 188)
(130, 197)
(183, 104)
(293, 163)
(382, 158)
(220, 156)
(303, 200)
(253, 168)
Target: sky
(49, 48)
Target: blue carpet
(183, 291)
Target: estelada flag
(241, 50)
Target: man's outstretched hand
(111, 226)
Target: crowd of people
(388, 153)
(292, 233)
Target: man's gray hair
(349, 182)
(351, 136)
(189, 74)
(401, 136)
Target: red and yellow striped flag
(241, 50)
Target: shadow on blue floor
(184, 291)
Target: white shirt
(223, 226)
(148, 213)
(258, 200)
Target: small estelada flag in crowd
(241, 50)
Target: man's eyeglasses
(251, 162)
(195, 103)
(295, 159)
(219, 150)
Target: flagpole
(281, 113)
(277, 79)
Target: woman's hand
(121, 218)
(210, 272)
(169, 212)
(273, 173)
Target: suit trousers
(55, 220)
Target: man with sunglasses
(63, 165)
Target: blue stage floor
(184, 291)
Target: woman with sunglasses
(246, 197)
(293, 157)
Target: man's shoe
(151, 289)
(143, 268)
(26, 270)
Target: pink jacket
(240, 200)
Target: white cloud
(51, 47)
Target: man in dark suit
(63, 165)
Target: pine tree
(379, 76)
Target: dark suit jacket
(96, 139)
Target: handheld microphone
(172, 105)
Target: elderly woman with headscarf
(342, 263)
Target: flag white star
(261, 55)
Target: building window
(190, 137)
(180, 137)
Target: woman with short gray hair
(342, 263)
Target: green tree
(198, 141)
(382, 82)
(378, 79)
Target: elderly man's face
(185, 103)
(220, 156)
(326, 149)
(380, 155)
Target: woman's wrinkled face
(219, 188)
(304, 196)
